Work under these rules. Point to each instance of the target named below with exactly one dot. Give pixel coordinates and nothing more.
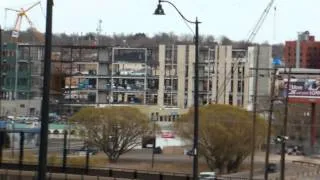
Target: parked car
(295, 150)
(207, 176)
(83, 151)
(272, 168)
(188, 152)
(157, 150)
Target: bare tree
(115, 130)
(224, 139)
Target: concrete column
(161, 57)
(222, 83)
(215, 76)
(191, 57)
(235, 84)
(264, 81)
(249, 78)
(227, 81)
(181, 68)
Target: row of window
(8, 53)
(164, 118)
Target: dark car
(272, 167)
(157, 150)
(189, 153)
(295, 150)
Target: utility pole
(2, 134)
(1, 72)
(272, 96)
(42, 164)
(253, 143)
(285, 122)
(196, 105)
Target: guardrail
(305, 163)
(303, 175)
(55, 172)
(106, 172)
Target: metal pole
(196, 104)
(1, 94)
(21, 155)
(87, 159)
(154, 142)
(42, 165)
(285, 122)
(12, 142)
(64, 160)
(272, 96)
(253, 143)
(2, 145)
(313, 126)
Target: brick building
(303, 53)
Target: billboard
(300, 88)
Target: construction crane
(260, 22)
(250, 39)
(17, 26)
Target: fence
(53, 172)
(27, 170)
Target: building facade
(161, 77)
(303, 53)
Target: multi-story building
(21, 79)
(303, 53)
(159, 77)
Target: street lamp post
(42, 163)
(160, 11)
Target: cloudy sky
(233, 18)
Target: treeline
(134, 40)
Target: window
(22, 82)
(23, 67)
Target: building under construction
(160, 76)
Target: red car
(167, 135)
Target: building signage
(301, 88)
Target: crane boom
(32, 6)
(251, 37)
(260, 22)
(20, 14)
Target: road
(146, 155)
(54, 145)
(291, 169)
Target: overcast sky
(233, 18)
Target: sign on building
(300, 88)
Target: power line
(42, 10)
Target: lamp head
(159, 10)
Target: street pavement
(146, 155)
(291, 168)
(54, 145)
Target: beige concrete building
(225, 75)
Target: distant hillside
(135, 40)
